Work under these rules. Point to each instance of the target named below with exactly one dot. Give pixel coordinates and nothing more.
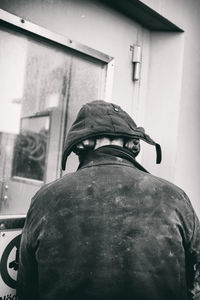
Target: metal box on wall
(10, 236)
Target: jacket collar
(110, 154)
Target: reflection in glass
(31, 148)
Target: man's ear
(134, 146)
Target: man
(110, 230)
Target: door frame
(20, 24)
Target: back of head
(99, 119)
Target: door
(42, 86)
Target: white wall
(162, 100)
(187, 164)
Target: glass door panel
(33, 91)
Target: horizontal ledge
(143, 14)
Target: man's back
(108, 231)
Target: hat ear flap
(159, 153)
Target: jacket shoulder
(172, 189)
(49, 191)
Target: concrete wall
(166, 100)
(162, 100)
(187, 162)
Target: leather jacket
(110, 231)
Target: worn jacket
(110, 231)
